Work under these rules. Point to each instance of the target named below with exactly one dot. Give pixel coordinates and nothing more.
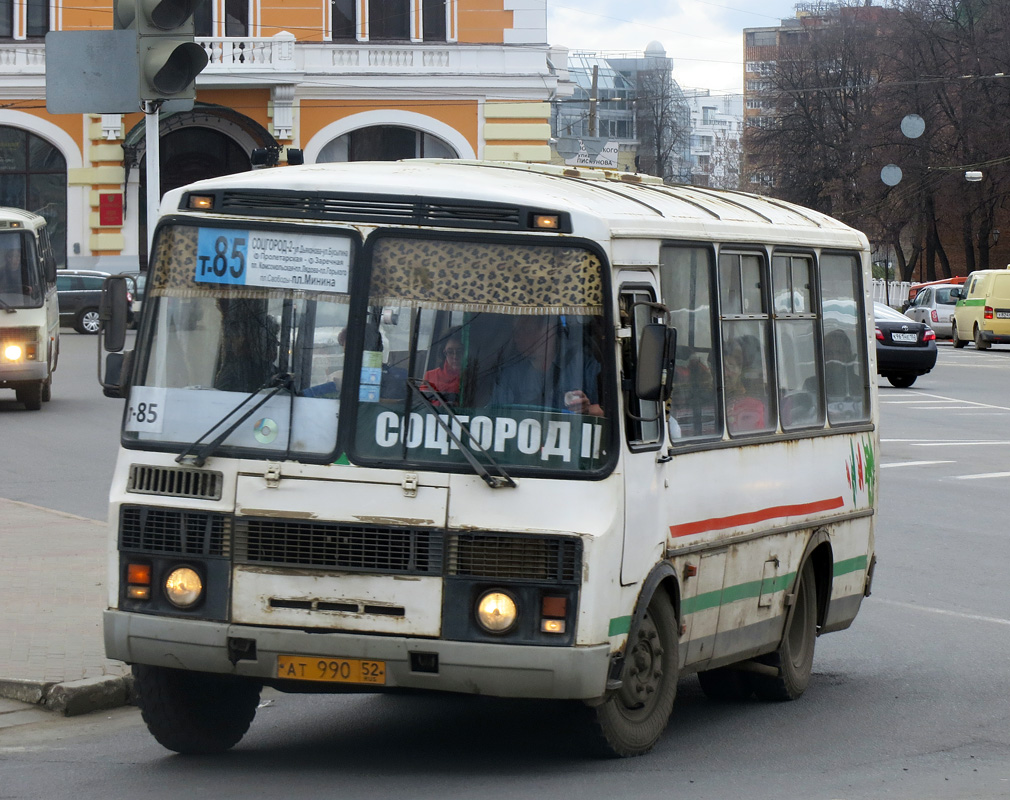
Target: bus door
(645, 473)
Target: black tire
(980, 343)
(47, 389)
(88, 321)
(726, 685)
(901, 381)
(795, 655)
(195, 712)
(957, 342)
(633, 718)
(31, 395)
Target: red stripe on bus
(739, 520)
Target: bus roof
(602, 202)
(21, 218)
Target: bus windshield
(495, 347)
(236, 313)
(21, 283)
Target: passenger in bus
(841, 382)
(445, 379)
(745, 411)
(539, 371)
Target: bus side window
(687, 276)
(799, 378)
(746, 328)
(846, 380)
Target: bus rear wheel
(795, 655)
(633, 718)
(195, 712)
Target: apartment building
(338, 79)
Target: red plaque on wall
(110, 208)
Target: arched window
(385, 143)
(33, 176)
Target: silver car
(934, 306)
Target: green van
(983, 309)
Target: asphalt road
(910, 703)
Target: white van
(29, 310)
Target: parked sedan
(906, 349)
(934, 306)
(79, 292)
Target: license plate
(904, 337)
(331, 670)
(1003, 315)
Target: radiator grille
(374, 208)
(199, 484)
(507, 556)
(19, 335)
(321, 545)
(168, 530)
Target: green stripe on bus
(619, 625)
(980, 301)
(742, 591)
(857, 564)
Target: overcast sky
(703, 37)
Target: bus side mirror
(656, 349)
(113, 313)
(956, 294)
(116, 382)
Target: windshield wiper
(499, 481)
(7, 306)
(279, 381)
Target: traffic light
(169, 59)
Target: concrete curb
(72, 698)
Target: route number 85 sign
(273, 259)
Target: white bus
(29, 309)
(485, 428)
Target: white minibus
(29, 309)
(492, 429)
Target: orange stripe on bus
(739, 520)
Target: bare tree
(664, 123)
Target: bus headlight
(496, 612)
(12, 352)
(183, 587)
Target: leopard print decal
(476, 276)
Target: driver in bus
(11, 279)
(539, 371)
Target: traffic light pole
(152, 135)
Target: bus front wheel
(795, 655)
(632, 719)
(195, 712)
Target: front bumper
(30, 372)
(500, 670)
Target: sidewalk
(52, 594)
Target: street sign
(92, 72)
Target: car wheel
(955, 339)
(980, 343)
(901, 381)
(88, 321)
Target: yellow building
(342, 80)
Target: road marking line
(983, 475)
(914, 463)
(946, 612)
(962, 400)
